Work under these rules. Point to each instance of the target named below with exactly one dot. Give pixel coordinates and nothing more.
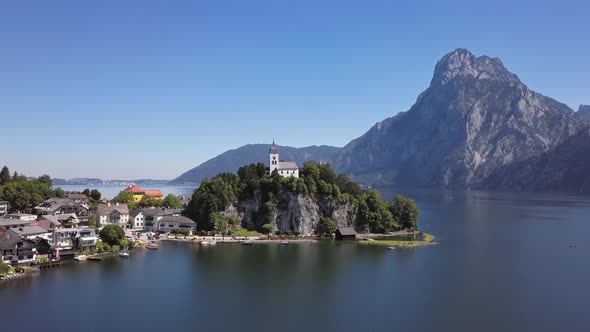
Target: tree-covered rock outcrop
(296, 205)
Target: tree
(45, 179)
(171, 202)
(405, 212)
(326, 227)
(92, 221)
(86, 192)
(266, 229)
(4, 269)
(23, 195)
(125, 197)
(147, 201)
(112, 234)
(220, 223)
(94, 194)
(58, 192)
(4, 176)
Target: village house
(29, 232)
(48, 222)
(184, 200)
(139, 194)
(283, 168)
(136, 219)
(3, 208)
(21, 216)
(71, 239)
(168, 224)
(78, 198)
(112, 214)
(14, 250)
(56, 206)
(14, 223)
(153, 215)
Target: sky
(149, 89)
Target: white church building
(283, 168)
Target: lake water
(109, 192)
(504, 263)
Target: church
(283, 168)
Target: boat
(247, 242)
(124, 253)
(205, 243)
(80, 258)
(94, 258)
(152, 246)
(212, 242)
(391, 248)
(284, 242)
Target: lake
(109, 192)
(504, 263)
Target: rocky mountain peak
(462, 64)
(583, 113)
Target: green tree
(92, 221)
(266, 229)
(405, 212)
(171, 202)
(4, 269)
(147, 201)
(86, 192)
(220, 223)
(326, 227)
(4, 176)
(125, 197)
(112, 234)
(94, 194)
(23, 195)
(45, 179)
(58, 192)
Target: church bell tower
(273, 156)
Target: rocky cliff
(565, 168)
(475, 118)
(297, 213)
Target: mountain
(231, 160)
(475, 118)
(583, 113)
(101, 182)
(565, 168)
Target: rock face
(583, 113)
(565, 168)
(295, 212)
(231, 160)
(475, 118)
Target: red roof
(135, 189)
(153, 193)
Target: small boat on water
(284, 242)
(152, 246)
(80, 258)
(247, 242)
(212, 242)
(391, 248)
(205, 243)
(94, 258)
(124, 253)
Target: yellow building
(139, 194)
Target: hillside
(231, 160)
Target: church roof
(273, 149)
(287, 165)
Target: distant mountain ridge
(475, 126)
(231, 160)
(101, 182)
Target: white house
(136, 219)
(283, 168)
(153, 215)
(176, 223)
(112, 214)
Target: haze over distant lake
(110, 192)
(505, 262)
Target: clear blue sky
(136, 89)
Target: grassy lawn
(427, 240)
(245, 232)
